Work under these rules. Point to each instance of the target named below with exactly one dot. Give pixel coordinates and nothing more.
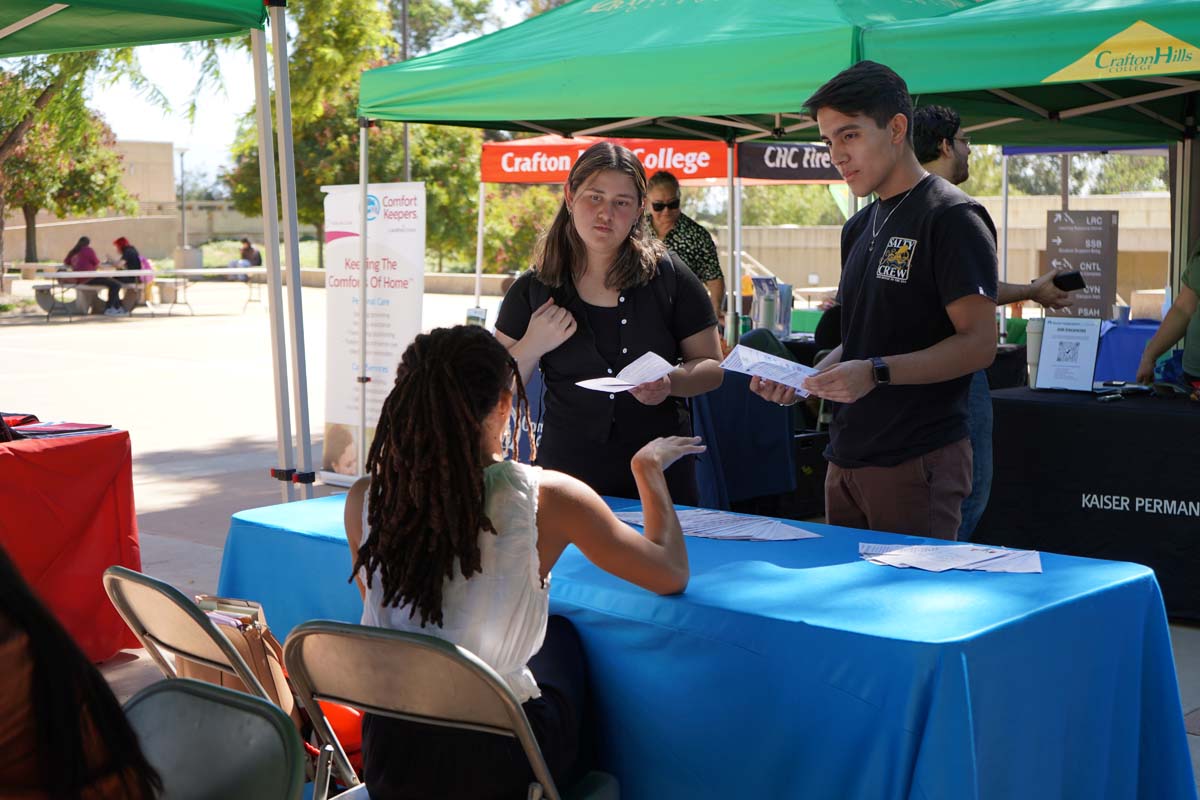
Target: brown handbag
(244, 624)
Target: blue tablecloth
(797, 670)
(1121, 350)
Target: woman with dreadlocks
(601, 294)
(451, 540)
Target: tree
(447, 159)
(432, 22)
(789, 205)
(45, 89)
(70, 171)
(986, 171)
(514, 219)
(1118, 173)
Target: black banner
(786, 161)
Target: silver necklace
(875, 215)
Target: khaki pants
(920, 497)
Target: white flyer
(649, 367)
(708, 523)
(764, 365)
(1067, 359)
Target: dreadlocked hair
(426, 499)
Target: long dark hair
(82, 243)
(68, 692)
(561, 253)
(426, 499)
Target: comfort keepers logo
(1139, 50)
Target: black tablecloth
(1117, 480)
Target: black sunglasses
(672, 204)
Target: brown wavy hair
(561, 252)
(426, 499)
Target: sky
(208, 139)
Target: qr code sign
(1068, 352)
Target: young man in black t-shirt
(918, 292)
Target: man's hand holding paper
(764, 367)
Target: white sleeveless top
(498, 614)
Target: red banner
(548, 159)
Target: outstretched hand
(662, 453)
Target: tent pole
(363, 378)
(1004, 244)
(1182, 189)
(737, 237)
(479, 248)
(1064, 178)
(733, 305)
(266, 176)
(291, 243)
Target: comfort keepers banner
(548, 159)
(395, 278)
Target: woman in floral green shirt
(682, 234)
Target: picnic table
(53, 298)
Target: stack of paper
(710, 524)
(764, 365)
(941, 557)
(650, 367)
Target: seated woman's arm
(570, 512)
(353, 521)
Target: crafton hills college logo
(1138, 51)
(896, 259)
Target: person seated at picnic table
(248, 257)
(1181, 322)
(82, 258)
(62, 732)
(450, 540)
(130, 259)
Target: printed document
(754, 362)
(939, 558)
(649, 367)
(709, 524)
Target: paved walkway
(196, 395)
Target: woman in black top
(130, 258)
(602, 294)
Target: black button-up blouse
(657, 316)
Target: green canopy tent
(737, 71)
(35, 27)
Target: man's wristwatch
(883, 375)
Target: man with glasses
(682, 234)
(943, 149)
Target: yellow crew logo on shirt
(1138, 51)
(897, 256)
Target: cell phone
(1111, 398)
(1069, 281)
(1114, 383)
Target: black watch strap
(883, 374)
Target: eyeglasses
(671, 204)
(964, 139)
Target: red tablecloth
(66, 514)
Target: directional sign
(1085, 241)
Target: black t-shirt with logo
(929, 248)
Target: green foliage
(432, 22)
(514, 219)
(1091, 173)
(447, 159)
(789, 205)
(1118, 173)
(986, 172)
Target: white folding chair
(418, 678)
(165, 621)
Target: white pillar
(266, 175)
(479, 249)
(1004, 245)
(363, 378)
(291, 245)
(733, 308)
